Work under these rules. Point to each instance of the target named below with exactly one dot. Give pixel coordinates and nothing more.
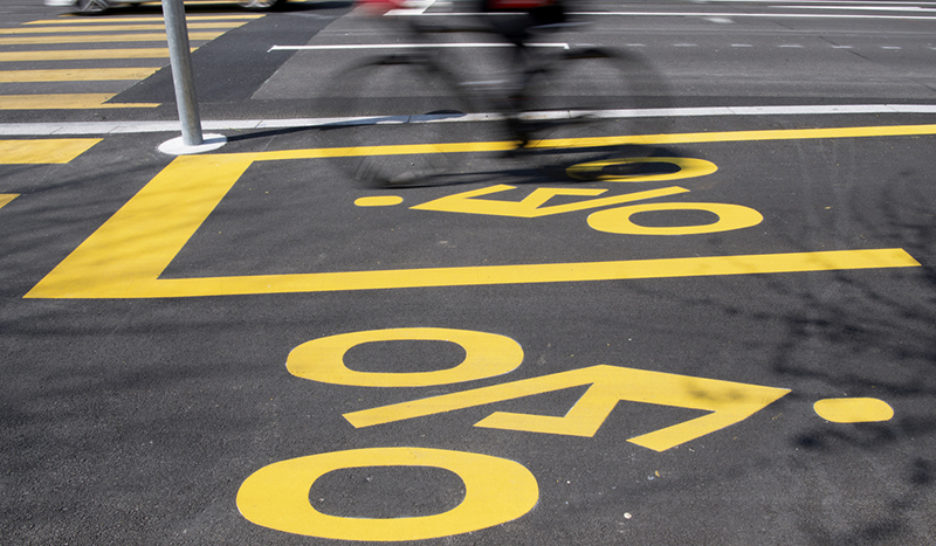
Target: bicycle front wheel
(400, 110)
(591, 104)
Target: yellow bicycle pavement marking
(729, 403)
(126, 255)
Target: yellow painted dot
(853, 410)
(378, 201)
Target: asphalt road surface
(733, 344)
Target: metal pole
(180, 59)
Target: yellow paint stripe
(82, 20)
(77, 74)
(89, 280)
(74, 101)
(673, 138)
(532, 273)
(747, 136)
(102, 38)
(81, 28)
(37, 152)
(5, 198)
(85, 54)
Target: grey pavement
(191, 346)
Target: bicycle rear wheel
(589, 105)
(400, 111)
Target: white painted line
(466, 45)
(704, 14)
(752, 15)
(916, 9)
(849, 2)
(777, 110)
(142, 127)
(413, 7)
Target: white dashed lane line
(566, 46)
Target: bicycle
(553, 113)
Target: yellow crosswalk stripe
(47, 30)
(102, 38)
(37, 152)
(76, 74)
(154, 19)
(84, 54)
(63, 101)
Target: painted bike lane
(759, 338)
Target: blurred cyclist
(528, 16)
(514, 20)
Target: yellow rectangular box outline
(126, 255)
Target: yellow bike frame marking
(126, 255)
(533, 205)
(729, 403)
